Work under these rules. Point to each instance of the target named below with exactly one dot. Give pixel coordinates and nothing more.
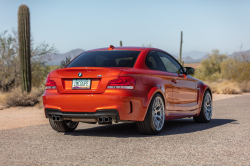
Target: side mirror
(189, 70)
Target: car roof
(124, 48)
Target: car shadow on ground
(173, 127)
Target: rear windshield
(105, 59)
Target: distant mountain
(247, 53)
(199, 60)
(57, 58)
(188, 59)
(192, 56)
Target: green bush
(210, 68)
(236, 69)
(10, 62)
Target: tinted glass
(154, 62)
(170, 64)
(105, 59)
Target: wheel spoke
(208, 106)
(158, 113)
(155, 121)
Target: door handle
(174, 80)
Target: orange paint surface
(182, 98)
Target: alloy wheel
(208, 106)
(158, 113)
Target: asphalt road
(223, 141)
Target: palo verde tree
(24, 47)
(65, 62)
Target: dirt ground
(16, 117)
(223, 141)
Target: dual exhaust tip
(105, 120)
(56, 118)
(101, 120)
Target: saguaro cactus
(121, 43)
(181, 49)
(24, 46)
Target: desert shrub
(245, 86)
(2, 97)
(10, 63)
(40, 103)
(210, 68)
(236, 69)
(225, 87)
(16, 98)
(65, 62)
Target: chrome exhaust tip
(106, 119)
(100, 119)
(58, 118)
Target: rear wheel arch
(209, 90)
(201, 101)
(201, 92)
(163, 97)
(205, 113)
(204, 92)
(155, 116)
(151, 94)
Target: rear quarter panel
(203, 88)
(151, 82)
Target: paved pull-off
(223, 141)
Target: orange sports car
(125, 84)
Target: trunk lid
(99, 78)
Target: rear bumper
(129, 104)
(114, 114)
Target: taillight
(122, 83)
(50, 84)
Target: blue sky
(206, 24)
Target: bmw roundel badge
(80, 74)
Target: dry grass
(40, 102)
(2, 97)
(16, 98)
(228, 87)
(245, 86)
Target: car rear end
(93, 88)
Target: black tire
(147, 126)
(63, 126)
(202, 117)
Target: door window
(154, 62)
(170, 64)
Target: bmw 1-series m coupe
(125, 84)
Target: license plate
(81, 84)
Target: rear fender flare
(151, 94)
(203, 89)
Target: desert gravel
(223, 141)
